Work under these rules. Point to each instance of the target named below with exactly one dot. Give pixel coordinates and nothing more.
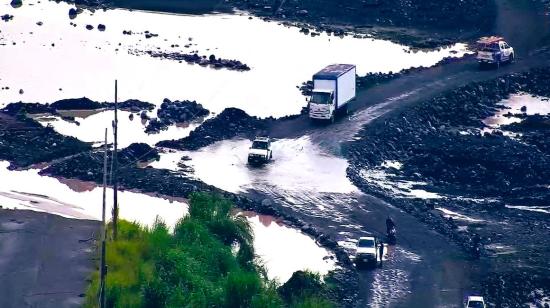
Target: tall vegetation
(208, 261)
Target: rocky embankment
(442, 149)
(82, 103)
(24, 142)
(374, 79)
(170, 113)
(440, 22)
(230, 123)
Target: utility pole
(103, 268)
(115, 168)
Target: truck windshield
(320, 98)
(366, 243)
(258, 145)
(490, 48)
(475, 304)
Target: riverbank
(46, 259)
(422, 24)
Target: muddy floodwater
(297, 165)
(282, 250)
(50, 59)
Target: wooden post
(103, 271)
(115, 169)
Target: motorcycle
(391, 236)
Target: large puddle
(55, 60)
(82, 200)
(283, 250)
(513, 106)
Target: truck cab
(367, 251)
(494, 50)
(321, 104)
(260, 151)
(475, 302)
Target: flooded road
(310, 182)
(280, 58)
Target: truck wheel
(332, 118)
(511, 59)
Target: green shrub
(194, 266)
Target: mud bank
(24, 142)
(436, 23)
(435, 160)
(82, 103)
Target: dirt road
(424, 269)
(45, 260)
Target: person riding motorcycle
(389, 225)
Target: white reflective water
(92, 128)
(82, 200)
(285, 250)
(408, 189)
(533, 104)
(454, 215)
(298, 165)
(85, 63)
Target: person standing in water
(381, 251)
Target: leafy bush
(195, 266)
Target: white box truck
(333, 89)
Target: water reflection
(82, 200)
(91, 127)
(284, 250)
(513, 105)
(68, 61)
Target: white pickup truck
(475, 302)
(494, 50)
(260, 151)
(367, 251)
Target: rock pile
(171, 113)
(232, 122)
(193, 58)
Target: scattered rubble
(6, 17)
(193, 58)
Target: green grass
(195, 266)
